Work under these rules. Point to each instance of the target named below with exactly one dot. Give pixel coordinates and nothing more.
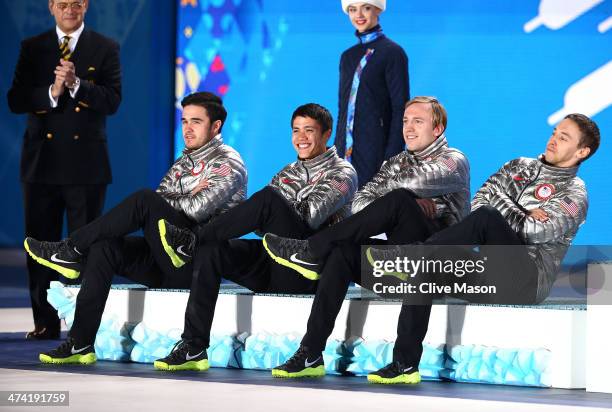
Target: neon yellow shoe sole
(88, 359)
(202, 365)
(176, 260)
(308, 274)
(317, 372)
(371, 260)
(411, 379)
(68, 273)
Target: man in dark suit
(67, 80)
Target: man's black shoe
(301, 365)
(389, 254)
(395, 372)
(294, 254)
(43, 334)
(62, 257)
(178, 243)
(70, 353)
(184, 357)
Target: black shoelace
(388, 254)
(184, 237)
(396, 368)
(290, 246)
(64, 248)
(298, 357)
(64, 347)
(179, 351)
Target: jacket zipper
(307, 174)
(181, 178)
(530, 183)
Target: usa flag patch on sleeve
(221, 169)
(569, 206)
(341, 185)
(450, 163)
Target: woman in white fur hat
(374, 87)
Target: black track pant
(485, 226)
(110, 252)
(244, 262)
(44, 207)
(398, 215)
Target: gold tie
(65, 52)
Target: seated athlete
(415, 194)
(307, 194)
(207, 180)
(538, 203)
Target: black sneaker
(62, 257)
(374, 255)
(395, 372)
(301, 365)
(70, 353)
(183, 357)
(43, 334)
(178, 243)
(294, 254)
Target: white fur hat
(381, 4)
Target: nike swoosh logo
(189, 357)
(74, 351)
(180, 250)
(54, 258)
(309, 364)
(293, 258)
(407, 370)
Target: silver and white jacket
(319, 189)
(215, 163)
(524, 184)
(438, 172)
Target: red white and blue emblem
(544, 191)
(197, 169)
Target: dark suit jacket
(66, 145)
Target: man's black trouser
(109, 252)
(242, 261)
(44, 207)
(401, 218)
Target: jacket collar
(437, 145)
(563, 172)
(83, 51)
(206, 149)
(320, 159)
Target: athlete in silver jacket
(319, 189)
(538, 204)
(438, 172)
(524, 184)
(208, 167)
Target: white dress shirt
(74, 39)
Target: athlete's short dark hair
(589, 132)
(316, 112)
(209, 101)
